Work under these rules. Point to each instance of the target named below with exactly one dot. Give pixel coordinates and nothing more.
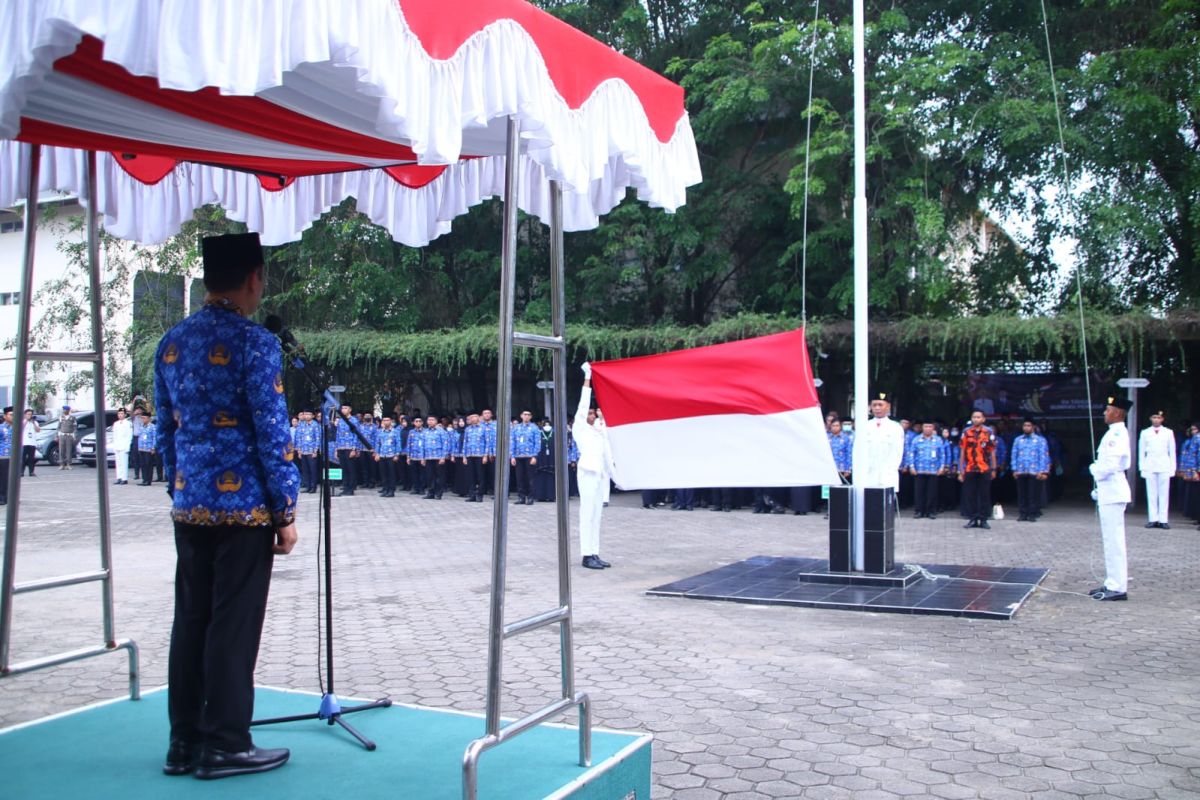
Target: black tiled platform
(964, 591)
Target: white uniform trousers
(1112, 530)
(1158, 495)
(122, 459)
(591, 504)
(605, 489)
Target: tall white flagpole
(861, 410)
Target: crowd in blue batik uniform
(421, 457)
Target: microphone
(275, 325)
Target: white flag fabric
(743, 413)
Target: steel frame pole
(100, 404)
(508, 283)
(20, 386)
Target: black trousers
(349, 470)
(475, 474)
(435, 477)
(149, 461)
(387, 473)
(4, 462)
(977, 495)
(222, 578)
(28, 458)
(416, 474)
(135, 461)
(489, 476)
(1029, 494)
(524, 477)
(363, 464)
(310, 471)
(925, 494)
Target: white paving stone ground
(1073, 698)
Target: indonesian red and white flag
(738, 414)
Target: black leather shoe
(602, 562)
(1166, 526)
(592, 562)
(221, 764)
(345, 494)
(983, 523)
(529, 501)
(970, 524)
(181, 758)
(1109, 594)
(1150, 525)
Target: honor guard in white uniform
(1156, 463)
(878, 448)
(1111, 495)
(595, 469)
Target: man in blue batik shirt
(307, 438)
(437, 450)
(841, 444)
(225, 442)
(347, 450)
(526, 441)
(148, 451)
(1030, 460)
(474, 453)
(417, 444)
(489, 451)
(926, 462)
(387, 454)
(6, 434)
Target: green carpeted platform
(116, 750)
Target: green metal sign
(333, 474)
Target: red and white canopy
(281, 109)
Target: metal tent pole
(100, 403)
(508, 284)
(20, 385)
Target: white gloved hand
(587, 370)
(1095, 494)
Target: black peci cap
(1123, 403)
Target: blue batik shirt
(439, 443)
(346, 440)
(371, 432)
(1001, 453)
(308, 437)
(475, 441)
(456, 441)
(927, 456)
(5, 440)
(572, 449)
(223, 424)
(1189, 456)
(526, 440)
(417, 450)
(148, 438)
(1030, 454)
(489, 438)
(842, 446)
(387, 443)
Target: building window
(10, 298)
(12, 225)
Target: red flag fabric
(744, 413)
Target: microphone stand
(331, 709)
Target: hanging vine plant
(974, 340)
